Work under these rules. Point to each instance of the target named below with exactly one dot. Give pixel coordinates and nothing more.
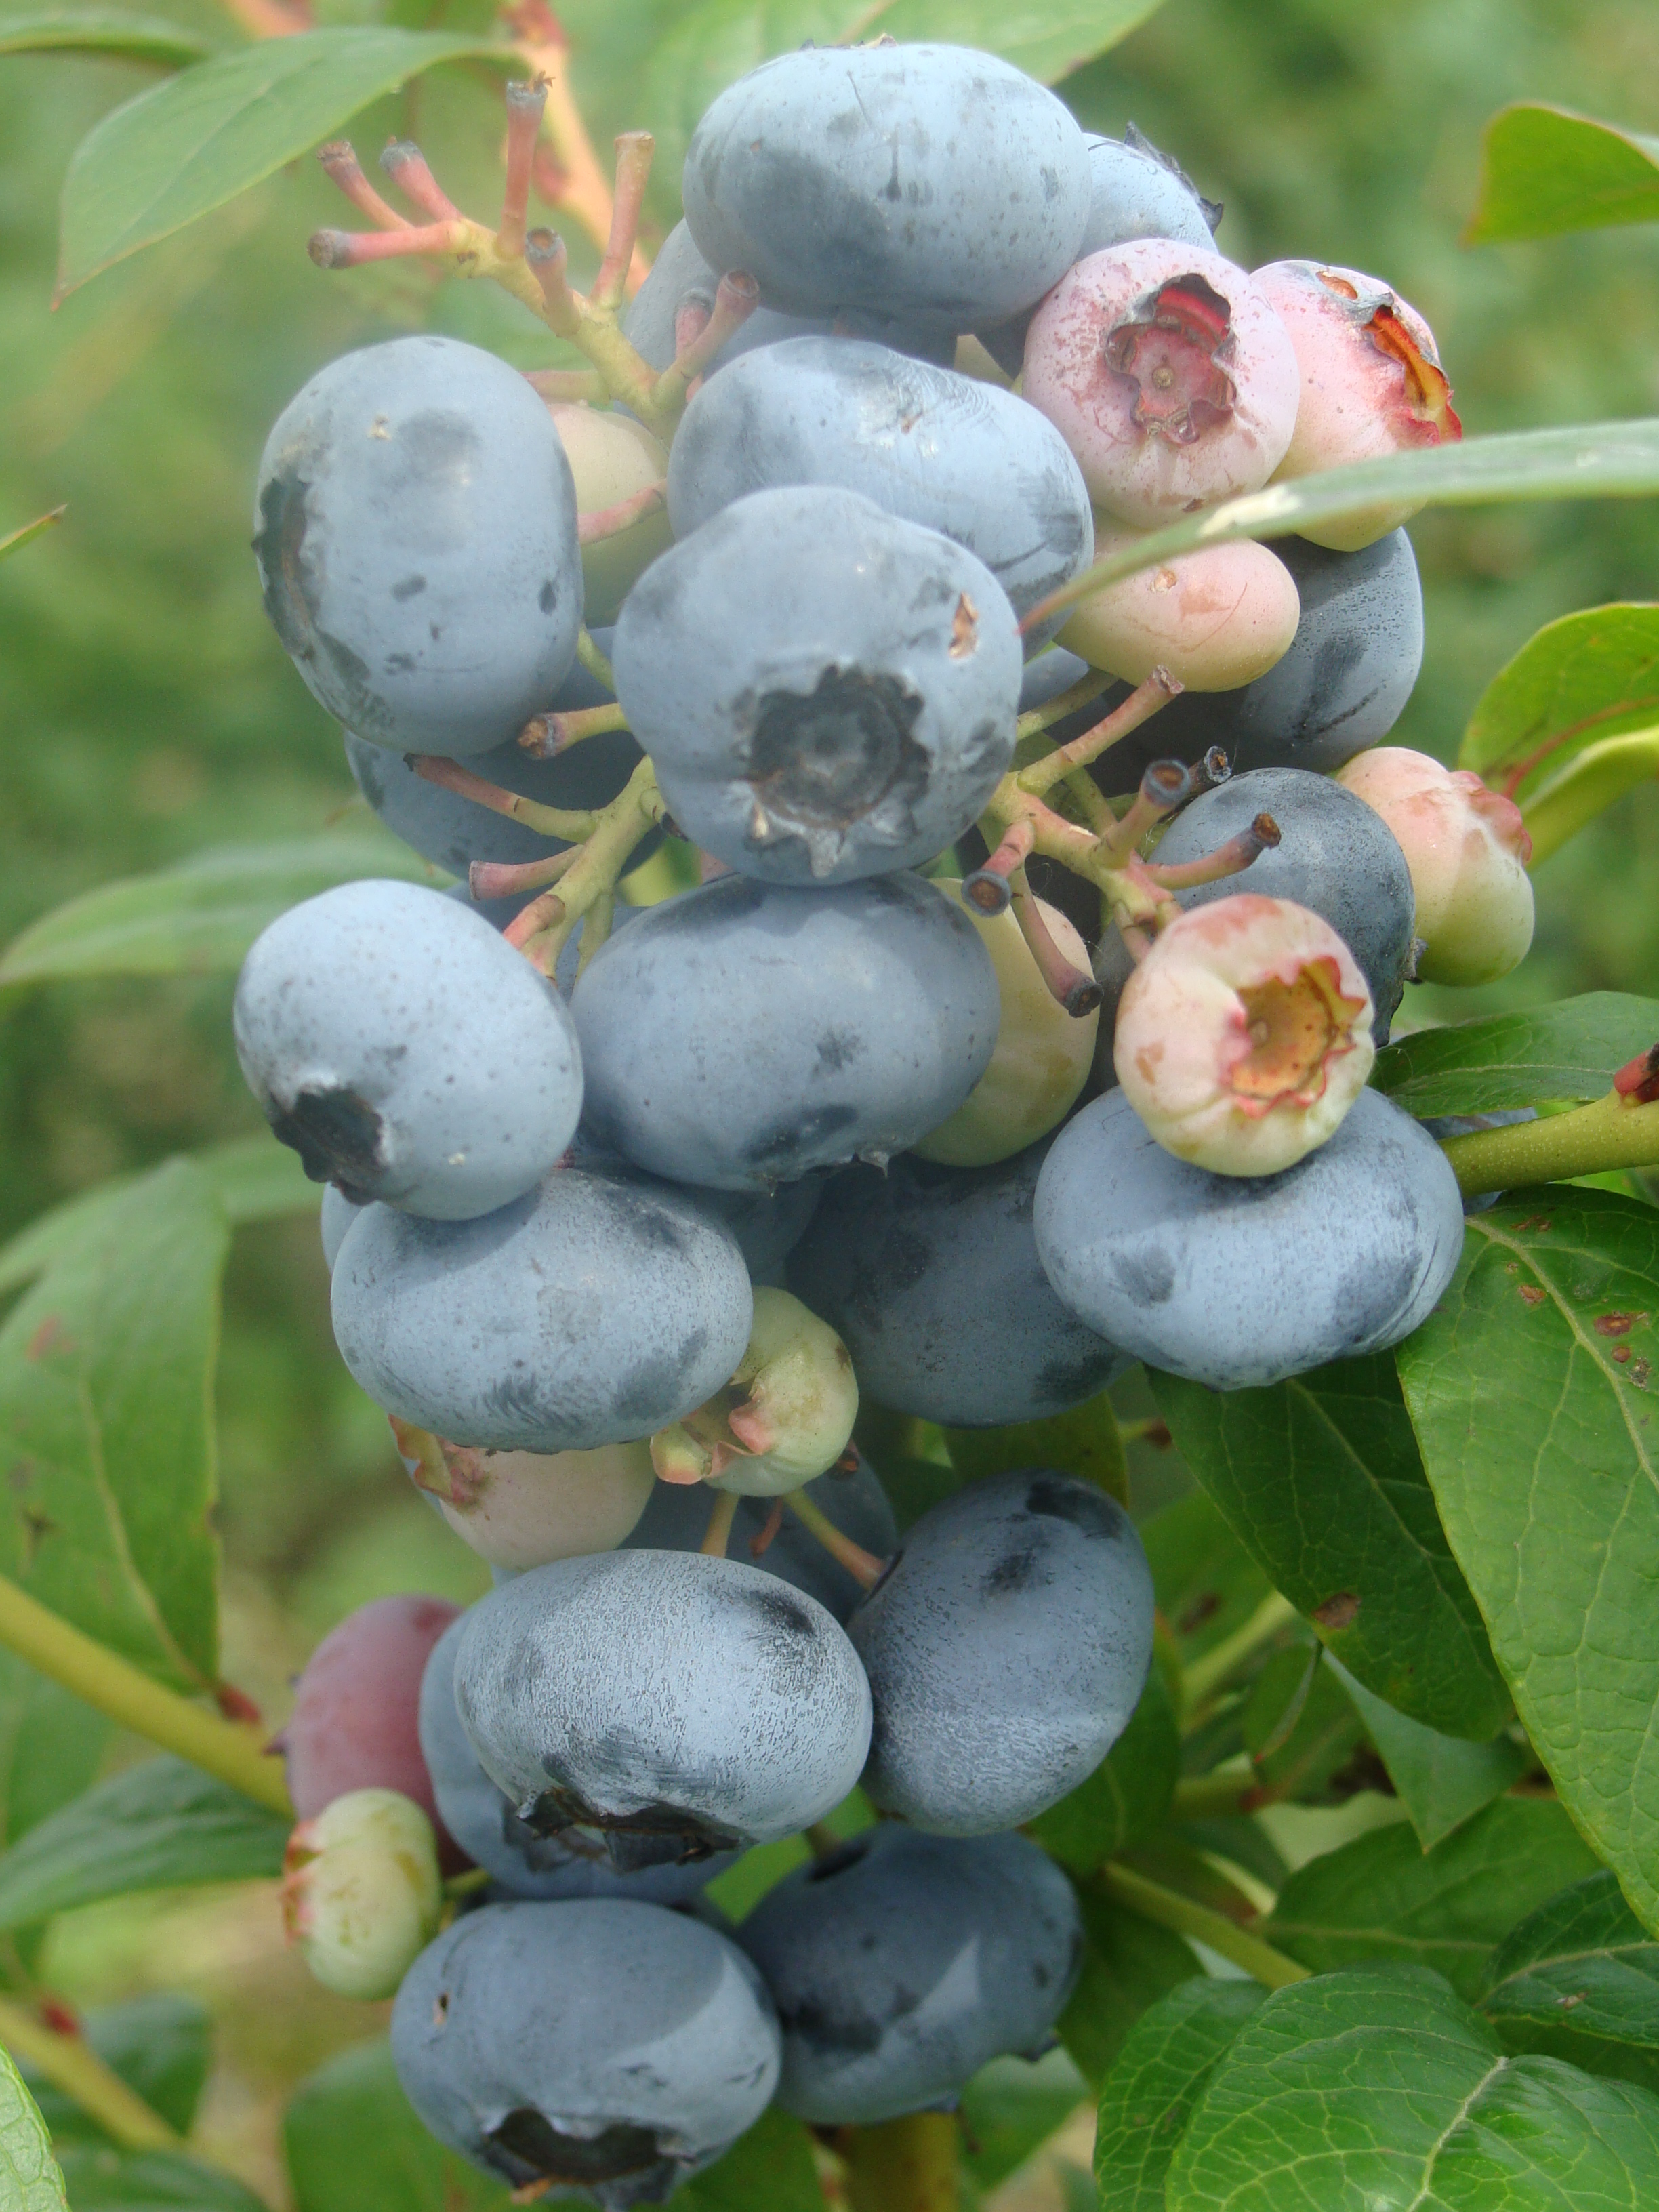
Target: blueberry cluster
(627, 1202)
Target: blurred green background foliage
(147, 711)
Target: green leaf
(1381, 2089)
(1300, 1726)
(1084, 1442)
(105, 1413)
(1570, 1050)
(101, 31)
(1531, 1388)
(186, 147)
(712, 44)
(1009, 2110)
(1382, 1897)
(354, 2144)
(51, 1747)
(1127, 1794)
(1129, 1963)
(1573, 716)
(198, 919)
(102, 2180)
(17, 540)
(1544, 170)
(1594, 780)
(1441, 1780)
(1579, 1979)
(770, 2169)
(1321, 1479)
(1592, 460)
(30, 2179)
(159, 2044)
(254, 1179)
(1207, 1584)
(162, 1825)
(1149, 2096)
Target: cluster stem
(113, 1686)
(1611, 1133)
(902, 2166)
(70, 2063)
(541, 931)
(1186, 1917)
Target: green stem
(1201, 1681)
(1199, 1797)
(234, 1753)
(1153, 1902)
(70, 2064)
(902, 2166)
(1611, 1133)
(864, 1567)
(594, 660)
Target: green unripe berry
(361, 1895)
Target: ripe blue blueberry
(679, 1704)
(1336, 855)
(681, 278)
(405, 1052)
(922, 184)
(961, 457)
(416, 532)
(1242, 1280)
(486, 1827)
(1006, 1647)
(930, 1276)
(611, 2048)
(1135, 191)
(827, 691)
(904, 1963)
(741, 1035)
(591, 1311)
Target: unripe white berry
(1467, 849)
(1244, 1036)
(786, 1417)
(361, 1891)
(611, 457)
(1216, 619)
(1043, 1053)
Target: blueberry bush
(868, 670)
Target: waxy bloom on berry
(1244, 1036)
(1467, 849)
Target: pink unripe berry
(519, 1509)
(356, 1718)
(1372, 383)
(1167, 374)
(1244, 1036)
(1467, 849)
(1215, 619)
